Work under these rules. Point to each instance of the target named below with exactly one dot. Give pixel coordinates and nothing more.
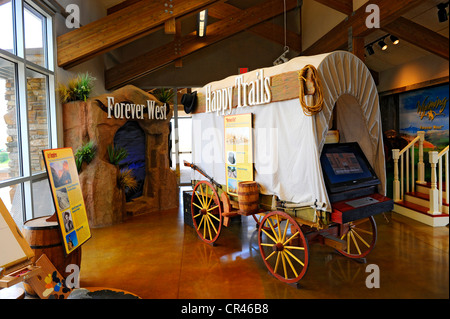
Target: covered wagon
(299, 147)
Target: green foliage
(4, 157)
(77, 89)
(164, 95)
(126, 180)
(116, 155)
(85, 154)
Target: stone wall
(37, 123)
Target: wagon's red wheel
(206, 212)
(285, 249)
(361, 236)
(259, 217)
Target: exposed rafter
(338, 37)
(344, 6)
(121, 6)
(420, 36)
(121, 27)
(267, 30)
(140, 66)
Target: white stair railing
(436, 160)
(406, 157)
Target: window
(7, 26)
(181, 142)
(27, 108)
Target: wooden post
(434, 193)
(420, 164)
(395, 157)
(358, 48)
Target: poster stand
(70, 210)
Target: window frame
(26, 177)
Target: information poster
(426, 110)
(238, 150)
(68, 198)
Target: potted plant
(78, 89)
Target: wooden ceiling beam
(121, 27)
(343, 6)
(338, 37)
(138, 67)
(121, 6)
(267, 30)
(419, 36)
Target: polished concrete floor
(157, 256)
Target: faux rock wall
(105, 202)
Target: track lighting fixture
(394, 39)
(383, 45)
(442, 12)
(370, 50)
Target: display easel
(15, 260)
(16, 265)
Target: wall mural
(426, 110)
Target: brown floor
(156, 256)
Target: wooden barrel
(45, 238)
(248, 197)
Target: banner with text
(238, 150)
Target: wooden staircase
(416, 205)
(426, 202)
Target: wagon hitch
(196, 168)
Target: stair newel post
(395, 157)
(434, 193)
(421, 164)
(446, 178)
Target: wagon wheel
(361, 236)
(284, 250)
(259, 217)
(206, 212)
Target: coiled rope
(310, 84)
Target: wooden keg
(45, 238)
(248, 197)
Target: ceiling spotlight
(370, 50)
(394, 39)
(442, 12)
(202, 23)
(383, 45)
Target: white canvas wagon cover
(288, 143)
